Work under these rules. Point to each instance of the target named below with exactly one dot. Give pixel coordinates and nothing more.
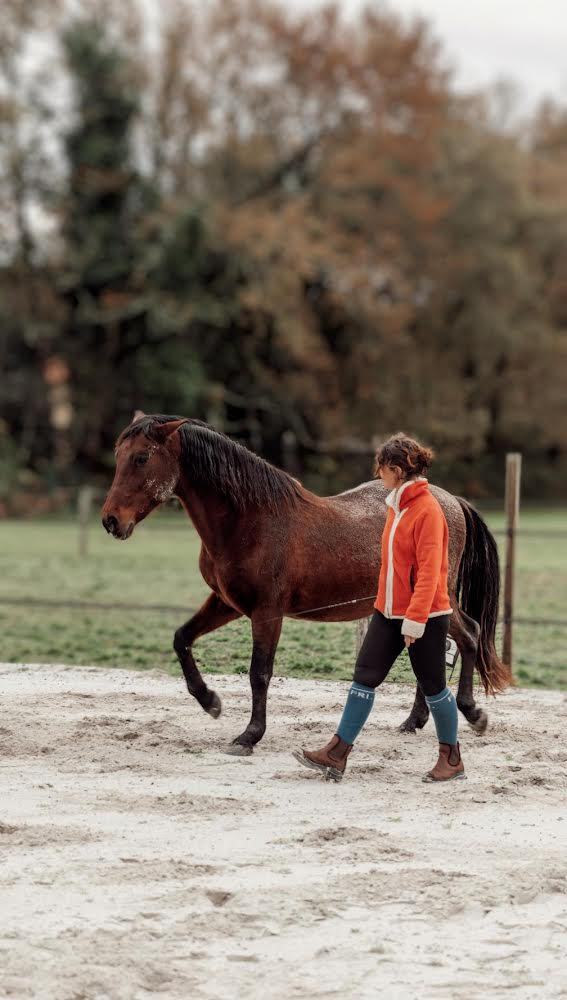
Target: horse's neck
(209, 512)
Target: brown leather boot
(331, 760)
(449, 764)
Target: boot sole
(329, 773)
(440, 781)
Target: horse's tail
(478, 591)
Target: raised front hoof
(238, 750)
(411, 725)
(215, 708)
(479, 724)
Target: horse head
(147, 472)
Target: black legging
(384, 642)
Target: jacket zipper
(390, 575)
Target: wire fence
(182, 609)
(87, 495)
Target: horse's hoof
(411, 726)
(480, 724)
(407, 727)
(237, 750)
(215, 708)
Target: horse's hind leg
(418, 715)
(266, 629)
(210, 616)
(466, 632)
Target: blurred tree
(125, 261)
(284, 222)
(29, 312)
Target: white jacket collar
(393, 498)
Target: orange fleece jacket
(415, 556)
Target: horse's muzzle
(111, 525)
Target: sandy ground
(138, 860)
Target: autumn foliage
(279, 222)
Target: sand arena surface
(140, 861)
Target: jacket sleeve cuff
(415, 629)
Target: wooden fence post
(512, 507)
(84, 509)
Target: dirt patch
(138, 860)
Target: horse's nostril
(110, 523)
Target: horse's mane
(210, 457)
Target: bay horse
(272, 549)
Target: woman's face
(391, 475)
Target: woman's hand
(409, 639)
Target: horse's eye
(140, 459)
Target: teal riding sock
(444, 711)
(356, 711)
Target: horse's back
(368, 502)
(365, 498)
(371, 495)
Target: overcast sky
(525, 40)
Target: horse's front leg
(211, 615)
(266, 630)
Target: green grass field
(39, 559)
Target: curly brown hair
(412, 457)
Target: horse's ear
(138, 414)
(161, 432)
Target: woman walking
(412, 609)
